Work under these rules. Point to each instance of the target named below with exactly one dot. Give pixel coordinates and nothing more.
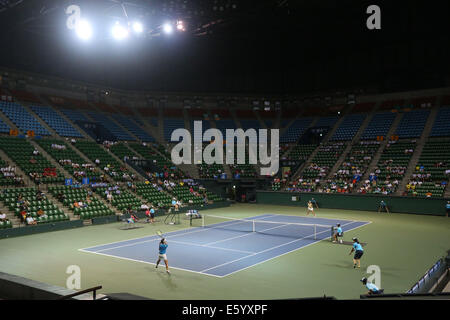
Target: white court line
(365, 224)
(171, 237)
(146, 262)
(208, 246)
(271, 248)
(247, 234)
(198, 229)
(209, 274)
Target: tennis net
(273, 228)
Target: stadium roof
(273, 46)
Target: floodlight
(167, 27)
(138, 27)
(83, 30)
(119, 32)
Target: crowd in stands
(9, 175)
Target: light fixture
(119, 32)
(83, 30)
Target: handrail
(93, 289)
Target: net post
(203, 220)
(315, 232)
(253, 226)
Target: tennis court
(219, 246)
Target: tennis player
(373, 289)
(359, 251)
(383, 207)
(310, 209)
(338, 233)
(162, 254)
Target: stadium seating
(71, 161)
(71, 195)
(295, 131)
(93, 151)
(56, 122)
(441, 126)
(324, 160)
(122, 199)
(133, 127)
(379, 126)
(349, 127)
(4, 128)
(430, 178)
(21, 152)
(152, 195)
(115, 130)
(170, 125)
(9, 197)
(22, 118)
(412, 124)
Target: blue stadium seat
(295, 131)
(379, 125)
(441, 126)
(348, 128)
(412, 124)
(133, 127)
(56, 122)
(117, 131)
(22, 118)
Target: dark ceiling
(265, 46)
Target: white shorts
(310, 209)
(162, 256)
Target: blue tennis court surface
(227, 247)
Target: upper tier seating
(56, 122)
(412, 124)
(4, 128)
(22, 118)
(74, 115)
(117, 131)
(379, 125)
(441, 126)
(349, 127)
(170, 125)
(295, 131)
(131, 126)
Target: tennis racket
(159, 233)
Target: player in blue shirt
(373, 289)
(383, 207)
(338, 233)
(359, 251)
(162, 254)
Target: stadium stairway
(383, 144)
(15, 221)
(285, 154)
(26, 178)
(129, 168)
(62, 115)
(324, 141)
(353, 141)
(8, 121)
(124, 128)
(26, 106)
(51, 159)
(61, 206)
(418, 150)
